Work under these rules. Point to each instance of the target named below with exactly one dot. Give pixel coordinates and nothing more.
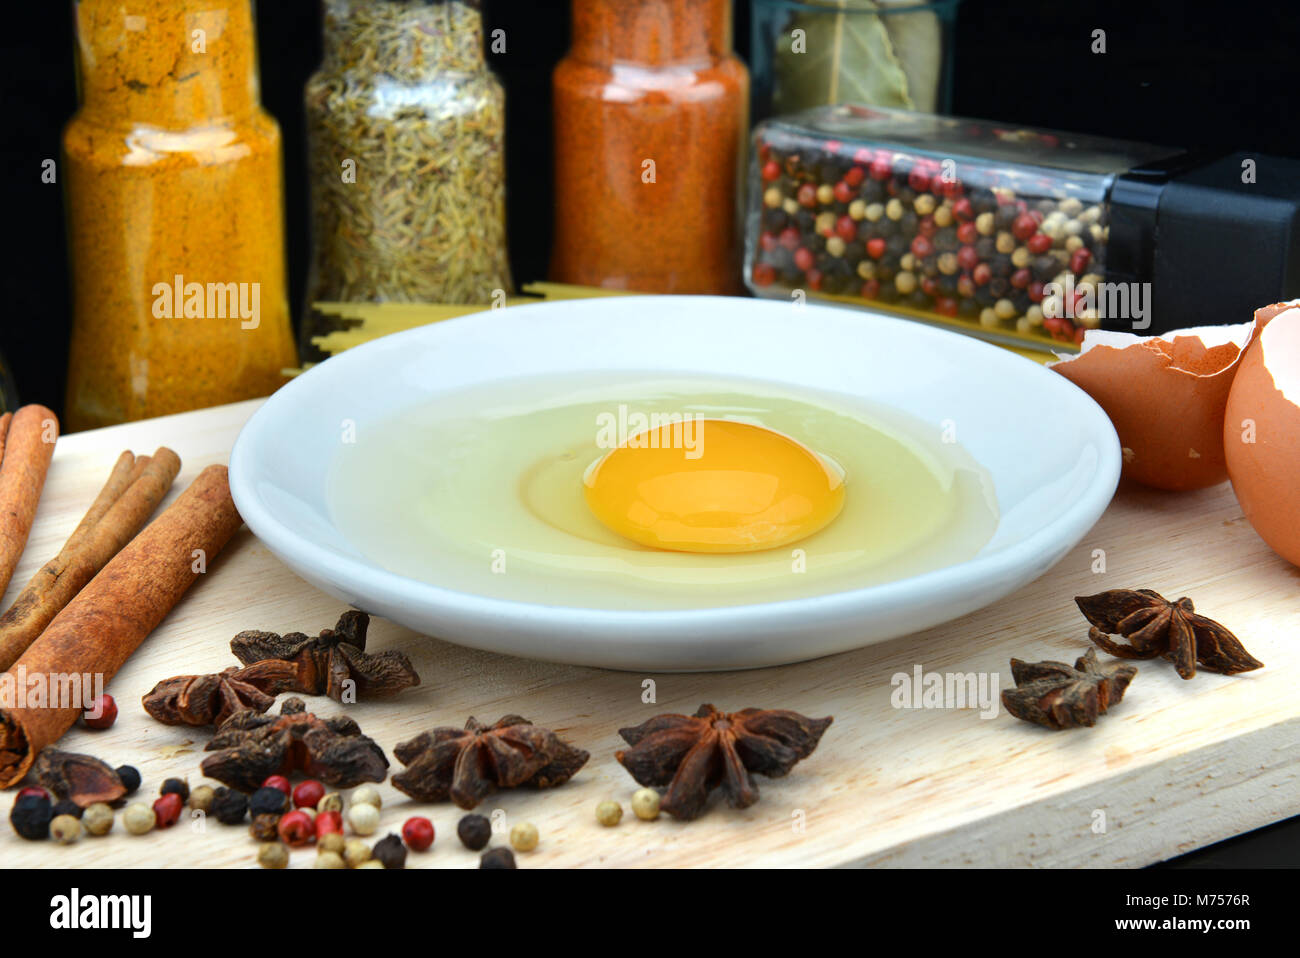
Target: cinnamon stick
(99, 629)
(4, 432)
(126, 502)
(28, 447)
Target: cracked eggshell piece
(1261, 432)
(1165, 396)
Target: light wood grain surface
(1176, 766)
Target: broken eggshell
(1165, 396)
(1261, 431)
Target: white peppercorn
(138, 818)
(364, 819)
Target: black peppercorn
(872, 191)
(829, 172)
(908, 196)
(268, 801)
(888, 292)
(919, 299)
(886, 226)
(986, 247)
(498, 858)
(475, 831)
(1021, 301)
(930, 266)
(854, 253)
(130, 778)
(983, 201)
(391, 852)
(67, 807)
(804, 221)
(178, 786)
(1045, 267)
(945, 241)
(774, 220)
(896, 245)
(998, 286)
(265, 828)
(908, 223)
(1005, 215)
(984, 297)
(229, 806)
(948, 285)
(1002, 265)
(31, 817)
(968, 308)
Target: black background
(1217, 76)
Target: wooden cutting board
(1176, 766)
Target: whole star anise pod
(1155, 626)
(211, 699)
(250, 747)
(331, 663)
(467, 764)
(694, 754)
(1059, 697)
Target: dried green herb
(406, 131)
(1057, 696)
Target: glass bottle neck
(651, 32)
(171, 65)
(417, 38)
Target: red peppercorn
(763, 274)
(417, 832)
(1039, 243)
(981, 274)
(949, 188)
(962, 210)
(881, 168)
(1021, 278)
(771, 170)
(328, 822)
(789, 238)
(277, 782)
(967, 233)
(1023, 227)
(846, 229)
(807, 195)
(863, 155)
(168, 809)
(1036, 291)
(876, 248)
(965, 285)
(967, 258)
(32, 791)
(104, 707)
(927, 227)
(871, 289)
(296, 829)
(945, 306)
(1080, 259)
(308, 794)
(930, 286)
(814, 279)
(1053, 324)
(855, 176)
(919, 179)
(803, 258)
(767, 241)
(843, 192)
(922, 247)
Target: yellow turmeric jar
(175, 213)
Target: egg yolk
(713, 486)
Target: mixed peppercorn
(896, 229)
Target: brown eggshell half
(1166, 396)
(1261, 434)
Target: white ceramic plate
(1053, 455)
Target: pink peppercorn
(308, 794)
(842, 192)
(807, 195)
(967, 233)
(876, 248)
(296, 829)
(981, 274)
(967, 258)
(106, 710)
(963, 210)
(922, 247)
(803, 258)
(1024, 227)
(855, 176)
(771, 170)
(1080, 259)
(328, 822)
(1038, 244)
(417, 832)
(846, 229)
(168, 809)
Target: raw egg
(1261, 432)
(710, 485)
(1165, 396)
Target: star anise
(1057, 696)
(1155, 626)
(467, 764)
(250, 747)
(211, 699)
(331, 664)
(693, 755)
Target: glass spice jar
(175, 213)
(651, 116)
(406, 142)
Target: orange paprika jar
(175, 213)
(651, 123)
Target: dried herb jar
(173, 184)
(406, 142)
(651, 114)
